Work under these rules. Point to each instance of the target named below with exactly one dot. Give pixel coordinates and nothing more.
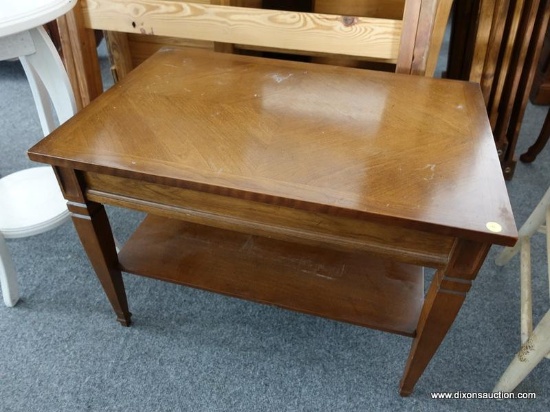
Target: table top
(397, 149)
(19, 15)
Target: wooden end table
(319, 189)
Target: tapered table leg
(93, 228)
(443, 301)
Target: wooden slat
(385, 9)
(484, 29)
(539, 25)
(462, 39)
(80, 57)
(490, 63)
(119, 53)
(514, 72)
(423, 38)
(509, 39)
(422, 35)
(411, 15)
(357, 36)
(438, 34)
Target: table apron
(279, 222)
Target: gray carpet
(188, 350)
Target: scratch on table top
(279, 78)
(431, 167)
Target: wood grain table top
(397, 149)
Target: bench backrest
(411, 42)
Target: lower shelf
(349, 287)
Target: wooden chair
(535, 344)
(497, 43)
(412, 42)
